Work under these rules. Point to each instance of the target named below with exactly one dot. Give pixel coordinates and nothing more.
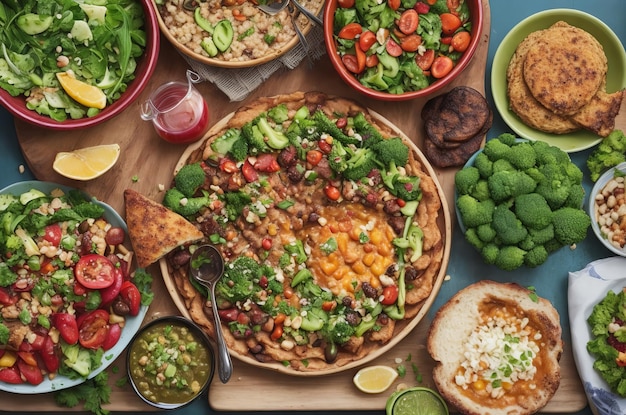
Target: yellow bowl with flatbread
(561, 130)
(334, 248)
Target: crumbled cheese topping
(499, 353)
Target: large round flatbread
(432, 216)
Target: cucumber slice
(81, 31)
(34, 24)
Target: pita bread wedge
(155, 230)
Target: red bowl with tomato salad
(393, 53)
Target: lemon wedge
(374, 379)
(88, 95)
(86, 163)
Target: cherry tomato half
(67, 326)
(11, 375)
(53, 233)
(249, 173)
(113, 336)
(390, 295)
(32, 374)
(131, 296)
(50, 356)
(94, 271)
(108, 294)
(93, 329)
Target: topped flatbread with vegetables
(331, 225)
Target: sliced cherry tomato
(67, 326)
(131, 296)
(108, 294)
(346, 4)
(28, 358)
(366, 40)
(249, 173)
(267, 163)
(461, 41)
(94, 271)
(332, 192)
(422, 8)
(350, 31)
(32, 374)
(93, 328)
(360, 59)
(324, 146)
(314, 157)
(425, 60)
(6, 298)
(409, 20)
(49, 355)
(113, 336)
(411, 43)
(227, 165)
(371, 61)
(390, 295)
(53, 233)
(446, 40)
(394, 4)
(442, 65)
(11, 375)
(453, 5)
(79, 289)
(393, 48)
(115, 236)
(449, 23)
(33, 345)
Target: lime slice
(416, 401)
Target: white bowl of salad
(399, 50)
(73, 65)
(70, 299)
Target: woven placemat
(237, 84)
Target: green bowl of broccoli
(518, 200)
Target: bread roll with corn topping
(497, 347)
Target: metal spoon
(301, 37)
(207, 267)
(273, 7)
(308, 14)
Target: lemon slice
(416, 401)
(86, 163)
(374, 379)
(88, 95)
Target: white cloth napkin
(588, 287)
(237, 84)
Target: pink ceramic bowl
(476, 19)
(145, 67)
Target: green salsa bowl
(170, 362)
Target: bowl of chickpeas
(607, 208)
(169, 362)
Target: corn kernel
(368, 259)
(271, 229)
(376, 237)
(378, 268)
(479, 385)
(329, 267)
(359, 268)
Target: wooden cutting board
(152, 161)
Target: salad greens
(608, 326)
(98, 40)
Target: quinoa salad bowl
(231, 33)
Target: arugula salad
(97, 41)
(67, 288)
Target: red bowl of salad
(107, 51)
(397, 50)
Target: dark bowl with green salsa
(170, 362)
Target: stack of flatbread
(556, 82)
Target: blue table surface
(465, 267)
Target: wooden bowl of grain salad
(232, 33)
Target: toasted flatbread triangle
(153, 229)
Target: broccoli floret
(328, 126)
(360, 164)
(575, 197)
(507, 184)
(466, 179)
(555, 187)
(533, 210)
(189, 179)
(392, 149)
(369, 134)
(548, 154)
(509, 228)
(510, 258)
(254, 138)
(541, 236)
(296, 250)
(536, 256)
(495, 149)
(176, 201)
(570, 225)
(502, 165)
(7, 276)
(235, 202)
(481, 190)
(490, 253)
(485, 232)
(471, 236)
(483, 164)
(521, 155)
(237, 283)
(338, 330)
(402, 186)
(274, 139)
(4, 334)
(610, 152)
(279, 113)
(473, 212)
